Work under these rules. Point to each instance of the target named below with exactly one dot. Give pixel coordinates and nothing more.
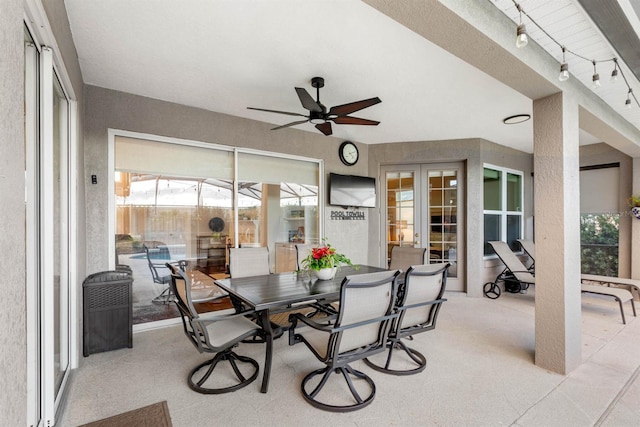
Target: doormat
(156, 415)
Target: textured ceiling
(227, 55)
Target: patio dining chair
(246, 262)
(158, 270)
(418, 309)
(218, 333)
(360, 330)
(402, 257)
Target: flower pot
(636, 211)
(326, 273)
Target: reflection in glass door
(401, 205)
(60, 280)
(423, 206)
(442, 217)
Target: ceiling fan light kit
(318, 114)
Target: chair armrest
(293, 318)
(420, 304)
(213, 319)
(365, 322)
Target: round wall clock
(348, 153)
(216, 224)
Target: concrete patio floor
(480, 372)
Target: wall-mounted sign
(348, 215)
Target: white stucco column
(557, 233)
(635, 225)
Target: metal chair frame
(337, 361)
(515, 280)
(197, 330)
(399, 331)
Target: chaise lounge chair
(515, 276)
(529, 248)
(492, 290)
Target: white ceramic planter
(326, 273)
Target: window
(502, 207)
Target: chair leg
(624, 321)
(233, 359)
(166, 297)
(415, 356)
(349, 374)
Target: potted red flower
(324, 261)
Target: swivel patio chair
(166, 296)
(216, 332)
(418, 308)
(246, 262)
(156, 269)
(302, 251)
(515, 276)
(402, 257)
(360, 330)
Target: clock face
(348, 153)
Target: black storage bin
(107, 311)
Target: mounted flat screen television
(352, 190)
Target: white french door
(424, 208)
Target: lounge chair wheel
(491, 290)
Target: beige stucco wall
(108, 109)
(13, 350)
(474, 153)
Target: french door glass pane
(400, 210)
(443, 218)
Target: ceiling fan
(318, 113)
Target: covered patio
(479, 371)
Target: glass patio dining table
(273, 293)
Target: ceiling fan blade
(307, 101)
(290, 124)
(347, 120)
(324, 128)
(352, 107)
(276, 111)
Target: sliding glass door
(47, 148)
(190, 201)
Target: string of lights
(522, 40)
